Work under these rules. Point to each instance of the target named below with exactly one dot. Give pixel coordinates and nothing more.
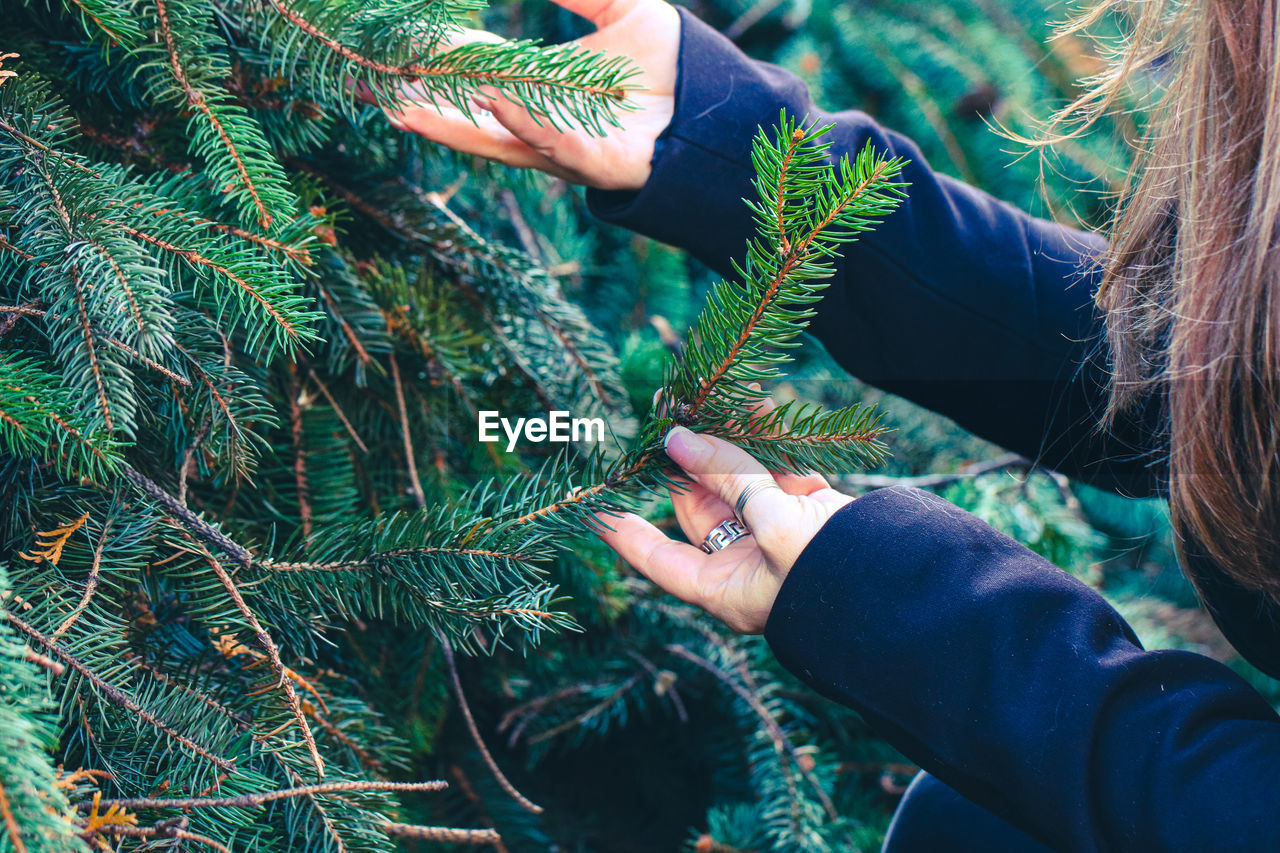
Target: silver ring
(753, 488)
(723, 535)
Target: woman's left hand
(739, 583)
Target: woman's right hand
(646, 32)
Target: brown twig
(337, 410)
(161, 830)
(469, 792)
(349, 332)
(256, 800)
(273, 657)
(299, 454)
(415, 485)
(442, 834)
(933, 481)
(43, 661)
(11, 823)
(178, 511)
(116, 695)
(503, 782)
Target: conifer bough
(231, 393)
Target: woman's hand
(738, 584)
(647, 32)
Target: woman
(1037, 716)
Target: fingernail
(484, 104)
(755, 386)
(685, 447)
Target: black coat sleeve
(958, 301)
(1022, 689)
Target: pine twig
(503, 782)
(442, 834)
(934, 481)
(261, 798)
(469, 793)
(33, 311)
(299, 454)
(43, 661)
(90, 585)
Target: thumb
(728, 471)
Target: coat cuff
(701, 167)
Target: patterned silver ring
(723, 535)
(753, 488)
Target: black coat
(1000, 674)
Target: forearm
(1021, 688)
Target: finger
(480, 135)
(599, 12)
(801, 484)
(698, 510)
(672, 565)
(727, 471)
(537, 132)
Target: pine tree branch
(350, 333)
(178, 511)
(794, 257)
(442, 834)
(779, 736)
(504, 783)
(1002, 462)
(257, 800)
(116, 695)
(196, 259)
(197, 100)
(32, 310)
(440, 68)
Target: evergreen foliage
(244, 349)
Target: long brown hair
(1191, 290)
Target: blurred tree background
(437, 285)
